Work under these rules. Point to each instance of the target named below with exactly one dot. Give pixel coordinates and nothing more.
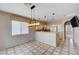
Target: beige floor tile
(62, 53)
(42, 50)
(38, 48)
(38, 53)
(10, 51)
(28, 53)
(51, 49)
(48, 53)
(57, 50)
(55, 53)
(3, 52)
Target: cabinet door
(59, 39)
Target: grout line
(68, 46)
(6, 51)
(75, 47)
(14, 50)
(45, 51)
(54, 50)
(62, 46)
(30, 50)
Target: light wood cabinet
(59, 39)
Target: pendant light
(32, 8)
(35, 23)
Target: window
(19, 28)
(25, 28)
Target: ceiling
(42, 11)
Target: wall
(56, 27)
(6, 39)
(5, 30)
(46, 37)
(20, 39)
(76, 35)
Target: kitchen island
(46, 37)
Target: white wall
(19, 39)
(5, 30)
(46, 37)
(76, 35)
(6, 39)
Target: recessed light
(38, 18)
(53, 13)
(44, 16)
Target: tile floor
(38, 48)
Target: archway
(65, 28)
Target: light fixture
(45, 17)
(35, 23)
(32, 7)
(28, 4)
(53, 13)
